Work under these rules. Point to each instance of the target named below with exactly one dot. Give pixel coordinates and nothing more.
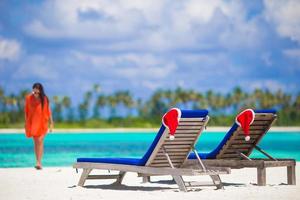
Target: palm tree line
(105, 108)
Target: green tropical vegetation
(121, 109)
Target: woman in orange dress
(37, 118)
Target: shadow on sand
(125, 187)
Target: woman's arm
(26, 109)
(51, 124)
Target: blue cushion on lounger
(125, 161)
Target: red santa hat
(244, 120)
(171, 120)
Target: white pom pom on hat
(247, 138)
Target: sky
(147, 45)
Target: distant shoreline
(137, 130)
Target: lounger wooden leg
(291, 175)
(261, 176)
(180, 183)
(120, 178)
(84, 176)
(217, 181)
(146, 179)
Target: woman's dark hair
(40, 87)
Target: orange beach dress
(37, 118)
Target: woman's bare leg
(39, 150)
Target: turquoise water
(63, 149)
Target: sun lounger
(164, 156)
(233, 151)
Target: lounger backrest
(236, 143)
(188, 131)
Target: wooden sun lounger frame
(235, 153)
(167, 158)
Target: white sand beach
(60, 183)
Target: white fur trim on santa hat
(172, 137)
